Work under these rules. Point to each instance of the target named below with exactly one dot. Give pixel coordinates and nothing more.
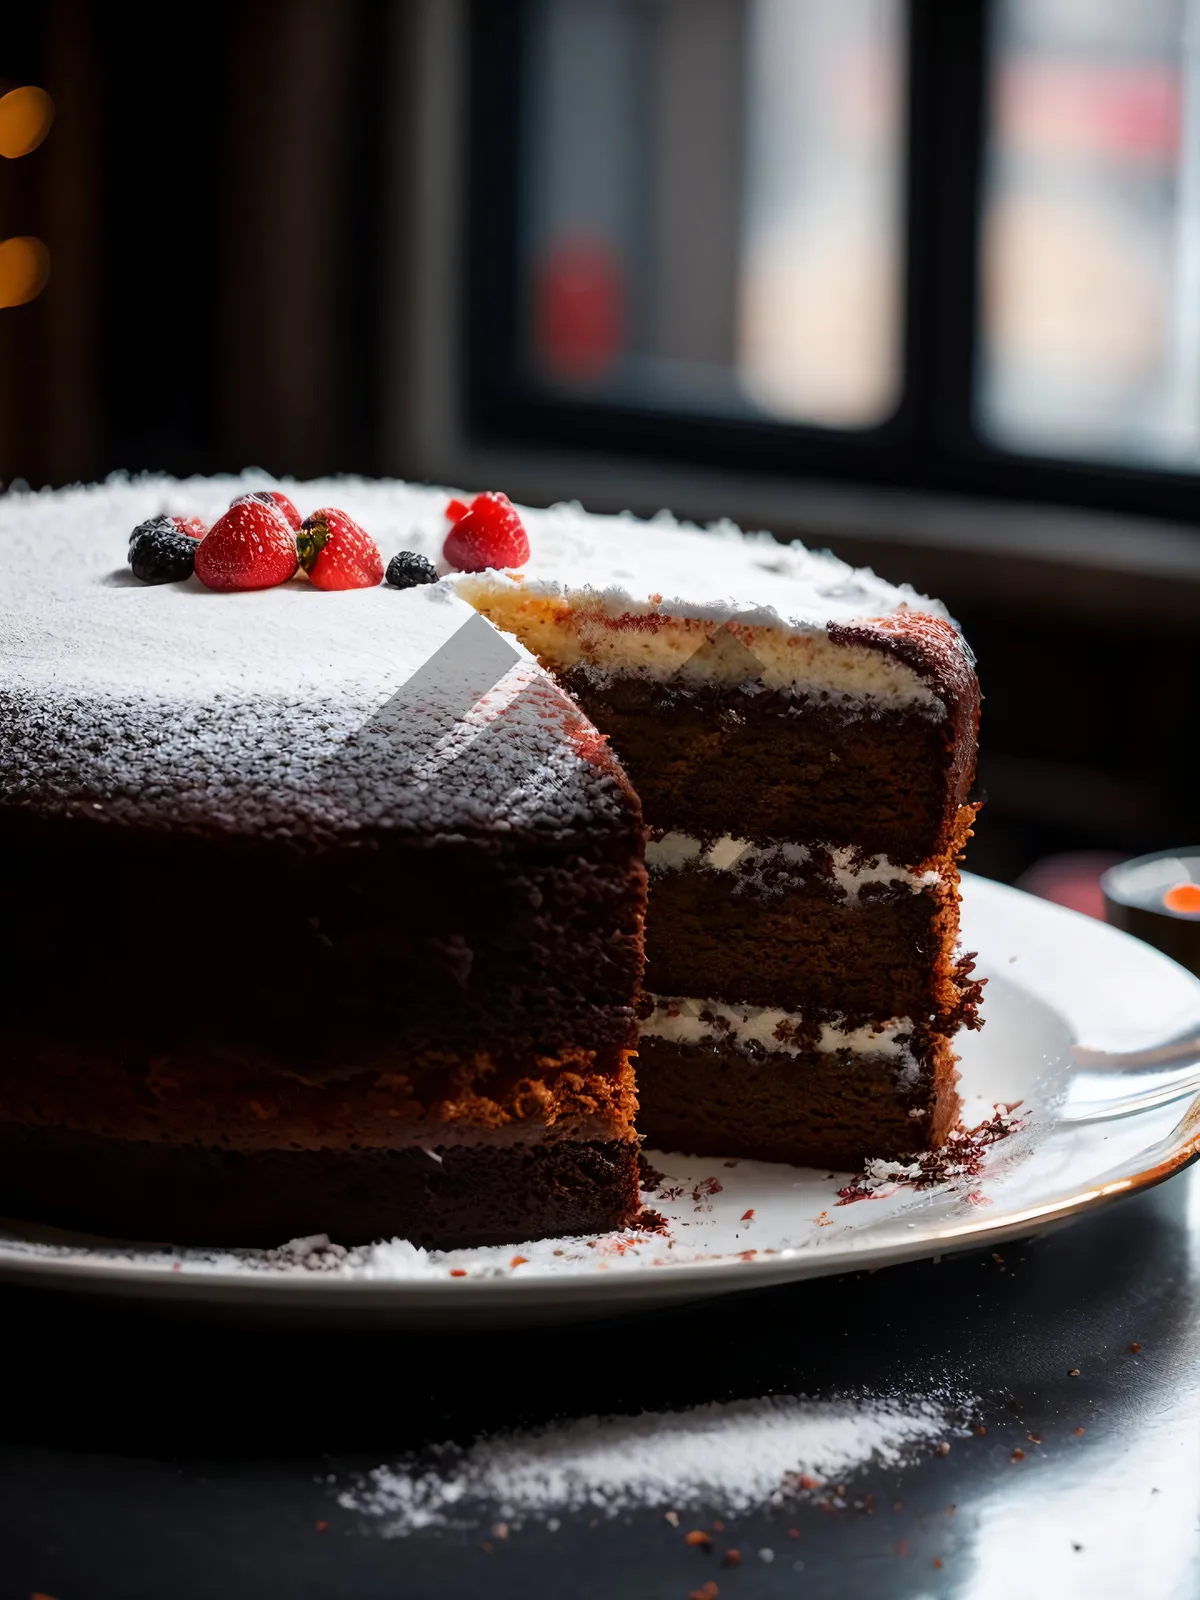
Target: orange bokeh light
(1183, 897)
(25, 118)
(24, 270)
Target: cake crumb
(650, 1178)
(672, 1517)
(1133, 1348)
(731, 1558)
(698, 1539)
(706, 1591)
(1018, 1454)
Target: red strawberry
(490, 535)
(338, 554)
(250, 547)
(456, 510)
(194, 527)
(274, 497)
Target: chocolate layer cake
(323, 911)
(804, 754)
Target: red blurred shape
(580, 308)
(1130, 111)
(1183, 897)
(1072, 879)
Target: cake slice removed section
(807, 787)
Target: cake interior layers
(807, 801)
(799, 764)
(828, 931)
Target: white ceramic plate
(1094, 1033)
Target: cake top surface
(625, 564)
(340, 710)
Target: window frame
(931, 442)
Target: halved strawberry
(336, 553)
(250, 547)
(491, 534)
(275, 497)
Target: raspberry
(160, 551)
(490, 535)
(336, 553)
(250, 547)
(274, 497)
(408, 569)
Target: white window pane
(819, 311)
(1090, 335)
(711, 205)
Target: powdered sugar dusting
(275, 711)
(723, 576)
(191, 708)
(733, 1458)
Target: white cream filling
(688, 1021)
(752, 863)
(607, 630)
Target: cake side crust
(465, 1195)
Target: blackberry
(408, 569)
(160, 553)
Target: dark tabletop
(148, 1456)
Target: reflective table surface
(149, 1456)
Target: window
(1091, 230)
(934, 244)
(712, 204)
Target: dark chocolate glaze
(330, 958)
(937, 652)
(472, 1195)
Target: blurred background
(917, 280)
